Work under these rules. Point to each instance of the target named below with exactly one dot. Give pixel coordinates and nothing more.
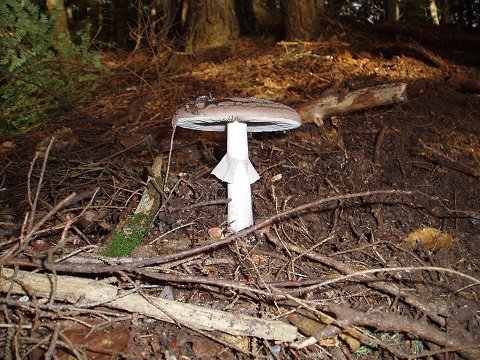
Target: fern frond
(30, 64)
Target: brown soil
(428, 149)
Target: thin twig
(100, 268)
(29, 176)
(373, 282)
(39, 184)
(169, 232)
(68, 200)
(447, 161)
(64, 220)
(199, 204)
(361, 274)
(169, 161)
(53, 343)
(101, 161)
(24, 240)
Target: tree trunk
(470, 13)
(169, 13)
(57, 13)
(445, 11)
(301, 19)
(433, 12)
(245, 16)
(121, 7)
(210, 24)
(267, 15)
(392, 10)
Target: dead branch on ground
(87, 292)
(335, 104)
(437, 156)
(410, 198)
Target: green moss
(135, 228)
(126, 239)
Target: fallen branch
(79, 290)
(93, 268)
(385, 321)
(410, 198)
(414, 50)
(433, 312)
(437, 156)
(346, 318)
(335, 104)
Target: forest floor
(414, 165)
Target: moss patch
(135, 227)
(125, 240)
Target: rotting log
(335, 104)
(132, 231)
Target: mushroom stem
(236, 169)
(240, 213)
(237, 115)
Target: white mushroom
(238, 116)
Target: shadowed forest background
(114, 241)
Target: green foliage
(40, 72)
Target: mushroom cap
(214, 114)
